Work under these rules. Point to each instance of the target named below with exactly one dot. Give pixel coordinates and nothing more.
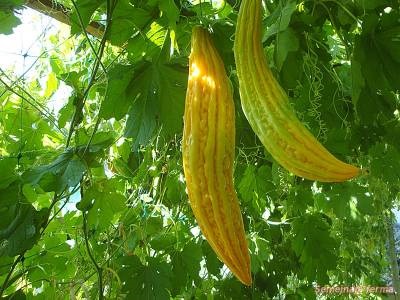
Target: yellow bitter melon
(267, 108)
(208, 148)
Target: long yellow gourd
(267, 108)
(208, 148)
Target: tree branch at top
(61, 13)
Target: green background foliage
(92, 195)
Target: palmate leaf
(385, 163)
(314, 246)
(345, 200)
(103, 201)
(20, 222)
(117, 101)
(165, 241)
(150, 281)
(7, 174)
(69, 167)
(84, 12)
(8, 21)
(175, 187)
(374, 68)
(371, 4)
(280, 18)
(287, 41)
(126, 21)
(66, 171)
(141, 122)
(213, 264)
(186, 265)
(8, 4)
(171, 11)
(149, 45)
(254, 186)
(151, 94)
(159, 92)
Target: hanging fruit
(208, 148)
(267, 108)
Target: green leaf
(203, 9)
(371, 4)
(66, 170)
(186, 264)
(85, 10)
(51, 85)
(7, 22)
(66, 112)
(122, 168)
(163, 241)
(385, 163)
(299, 199)
(309, 231)
(338, 142)
(105, 203)
(151, 281)
(141, 123)
(5, 263)
(213, 264)
(20, 223)
(191, 256)
(389, 40)
(170, 10)
(254, 186)
(292, 70)
(10, 4)
(248, 183)
(116, 102)
(154, 224)
(374, 80)
(99, 142)
(142, 116)
(73, 79)
(343, 199)
(29, 193)
(159, 90)
(126, 21)
(7, 174)
(175, 187)
(73, 172)
(172, 91)
(150, 45)
(260, 253)
(287, 41)
(281, 19)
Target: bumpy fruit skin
(267, 108)
(208, 148)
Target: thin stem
(345, 9)
(93, 77)
(99, 270)
(86, 35)
(110, 9)
(5, 283)
(346, 46)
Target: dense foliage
(114, 149)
